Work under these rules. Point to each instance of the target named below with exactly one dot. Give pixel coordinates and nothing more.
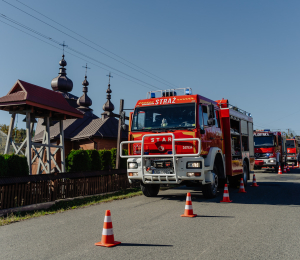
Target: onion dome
(62, 83)
(84, 102)
(108, 106)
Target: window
(164, 117)
(205, 116)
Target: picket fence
(22, 191)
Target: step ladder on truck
(188, 139)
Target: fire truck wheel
(210, 190)
(150, 190)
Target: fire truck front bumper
(271, 162)
(154, 171)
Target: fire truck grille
(261, 156)
(162, 164)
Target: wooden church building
(89, 132)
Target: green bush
(113, 157)
(24, 166)
(17, 165)
(3, 166)
(124, 160)
(105, 159)
(78, 161)
(95, 160)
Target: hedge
(3, 166)
(95, 160)
(98, 160)
(78, 161)
(16, 166)
(105, 159)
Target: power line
(92, 41)
(70, 53)
(168, 84)
(78, 52)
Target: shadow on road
(269, 192)
(203, 216)
(135, 244)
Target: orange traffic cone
(242, 188)
(188, 210)
(279, 170)
(226, 195)
(284, 169)
(288, 168)
(107, 233)
(254, 184)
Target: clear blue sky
(244, 51)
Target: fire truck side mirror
(211, 115)
(211, 121)
(211, 111)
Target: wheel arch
(215, 154)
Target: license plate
(161, 171)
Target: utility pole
(118, 159)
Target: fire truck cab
(176, 139)
(269, 149)
(292, 151)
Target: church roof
(24, 94)
(83, 128)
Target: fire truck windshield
(263, 141)
(164, 117)
(290, 144)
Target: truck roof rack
(239, 110)
(169, 92)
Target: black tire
(150, 190)
(210, 190)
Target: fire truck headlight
(193, 165)
(132, 165)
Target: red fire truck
(292, 151)
(187, 138)
(269, 148)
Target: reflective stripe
(107, 232)
(188, 198)
(226, 195)
(188, 207)
(107, 219)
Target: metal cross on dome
(110, 76)
(63, 44)
(86, 68)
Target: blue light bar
(152, 95)
(188, 92)
(169, 152)
(146, 153)
(267, 130)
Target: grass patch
(62, 206)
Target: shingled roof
(83, 128)
(24, 94)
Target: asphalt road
(260, 224)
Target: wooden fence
(21, 191)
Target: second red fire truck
(187, 138)
(269, 148)
(292, 151)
